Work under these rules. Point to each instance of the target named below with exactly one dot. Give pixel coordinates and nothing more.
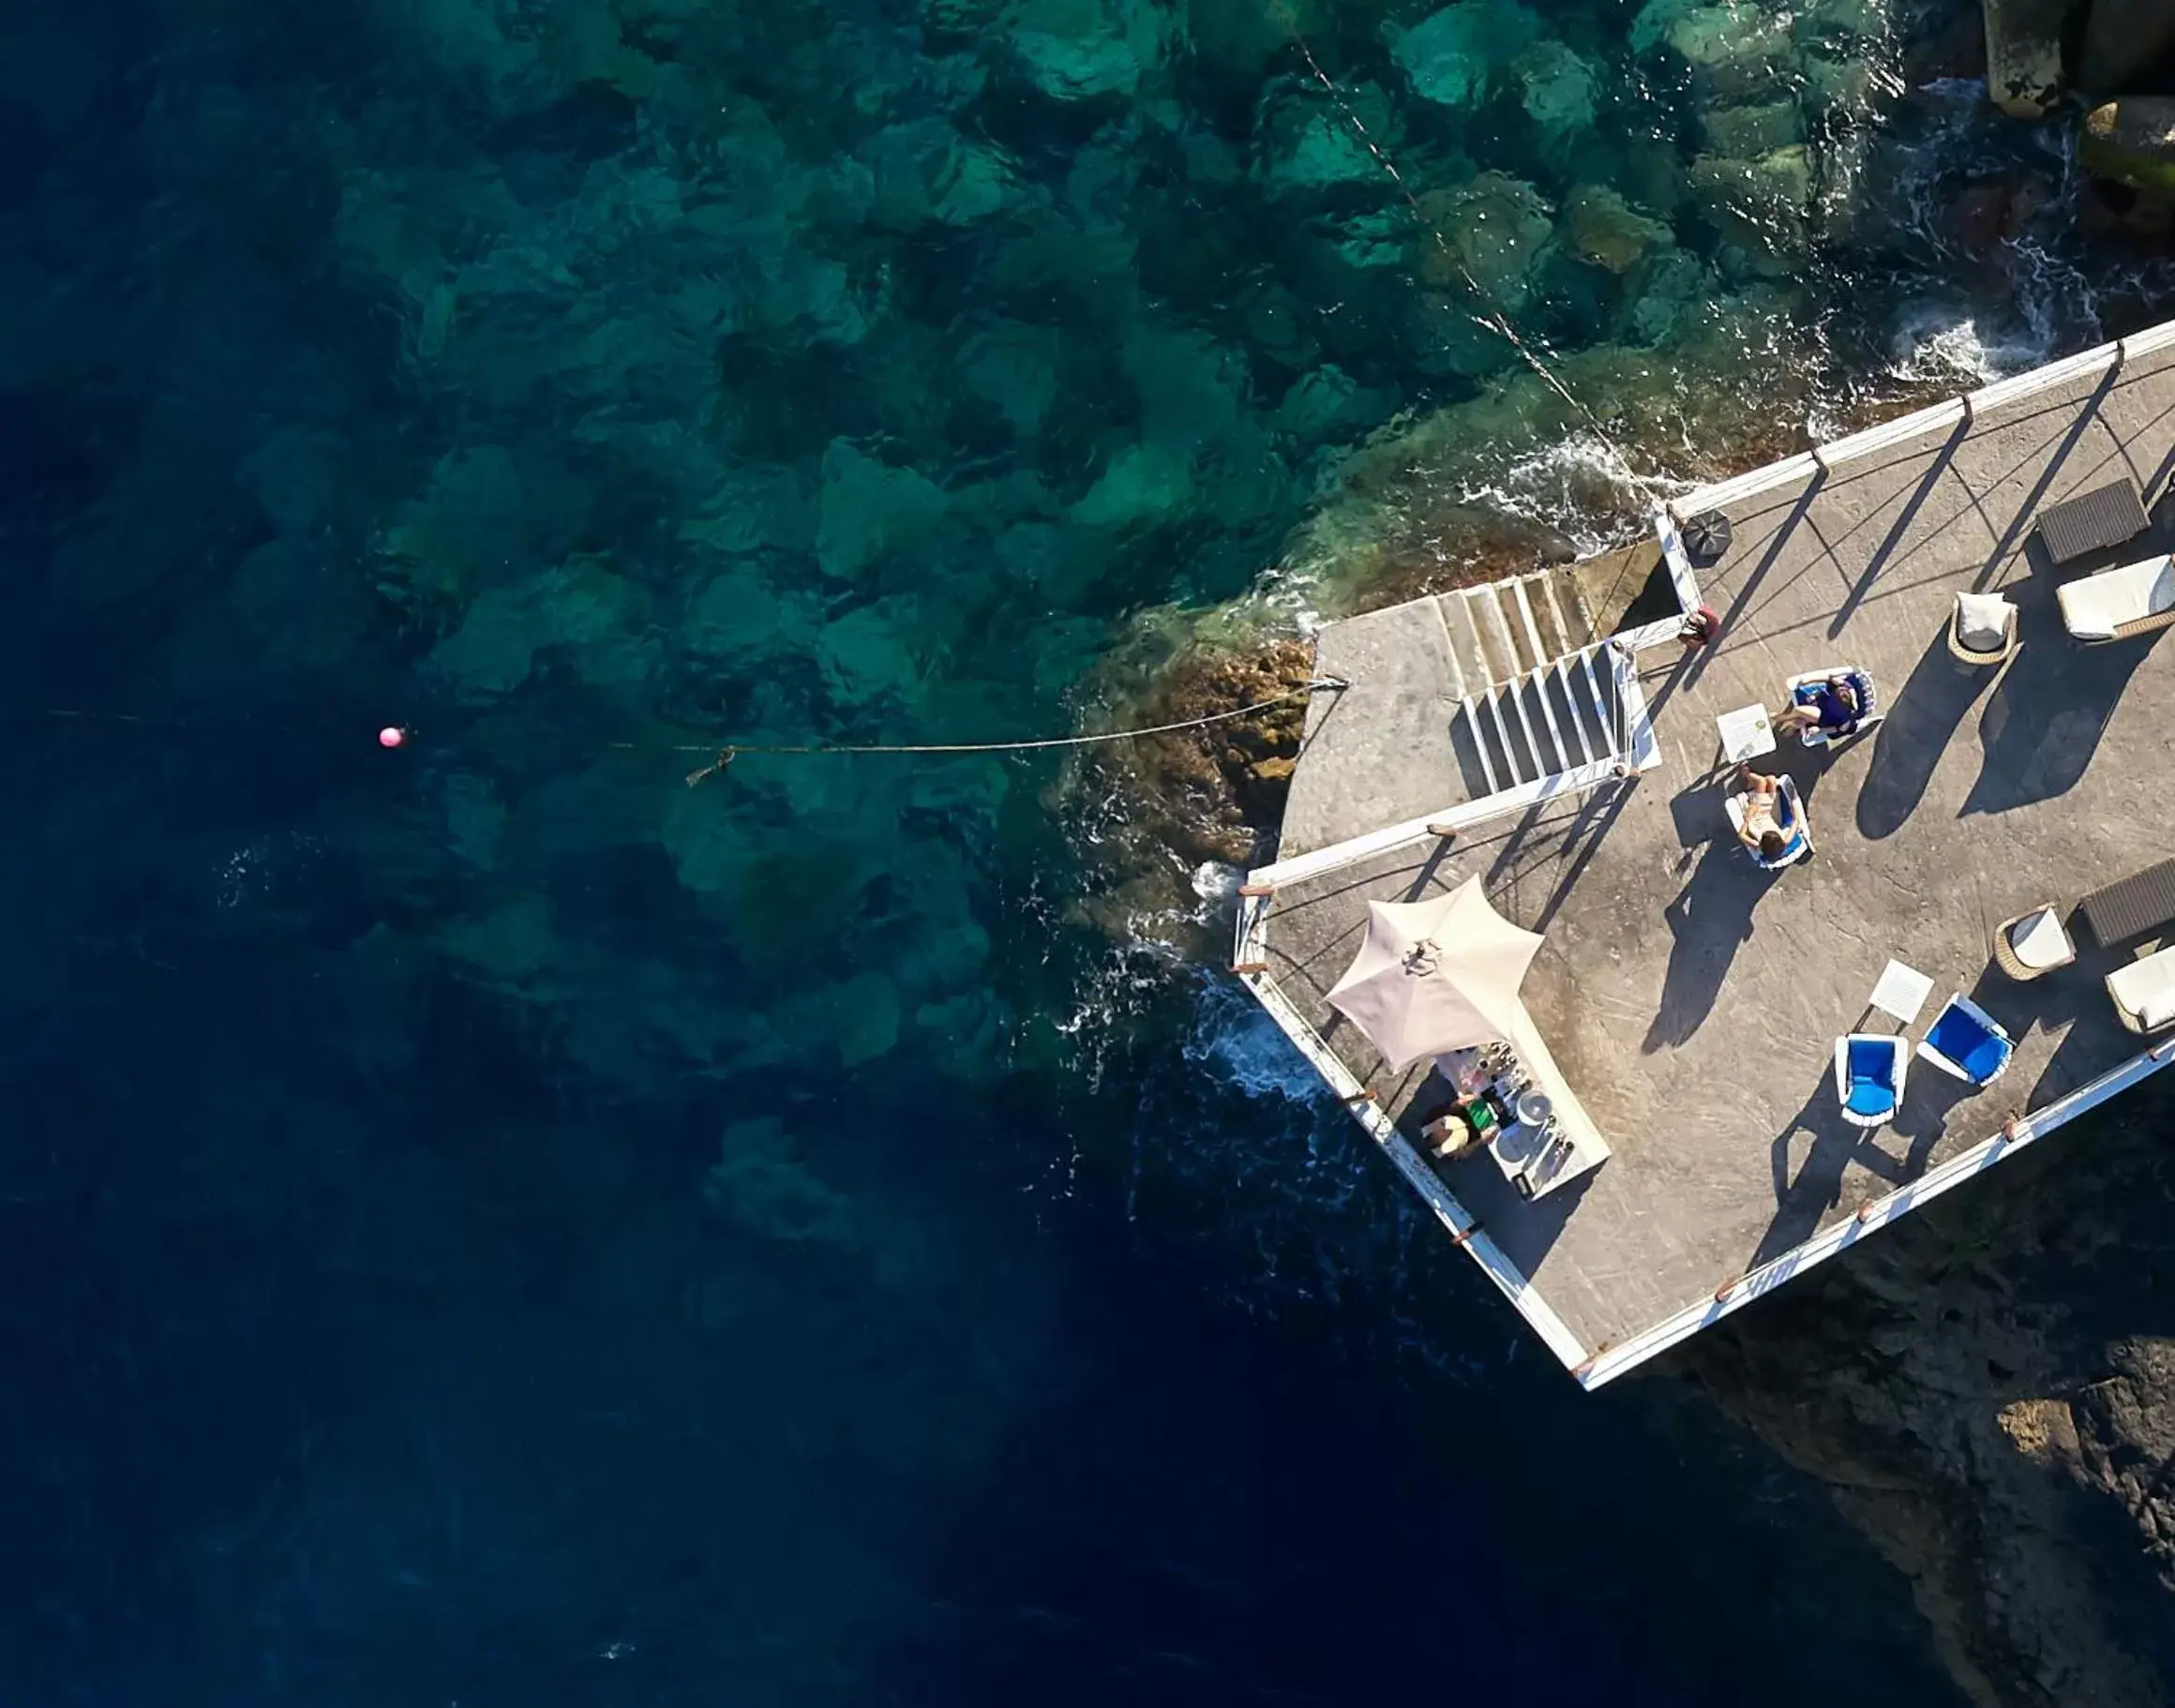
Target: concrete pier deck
(1691, 999)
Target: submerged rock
(2132, 140)
(1142, 485)
(870, 509)
(577, 605)
(1735, 51)
(1302, 141)
(1243, 36)
(873, 652)
(1977, 215)
(1557, 89)
(1667, 294)
(1084, 49)
(508, 950)
(1328, 402)
(761, 1182)
(1651, 27)
(1744, 133)
(1496, 228)
(1012, 368)
(1756, 205)
(737, 614)
(1452, 55)
(928, 171)
(1605, 230)
(1847, 87)
(1376, 240)
(1841, 26)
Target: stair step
(1582, 730)
(1554, 595)
(1559, 750)
(1460, 684)
(1526, 626)
(1492, 633)
(1587, 630)
(1503, 631)
(1544, 722)
(1471, 746)
(1598, 678)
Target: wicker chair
(2035, 949)
(1976, 615)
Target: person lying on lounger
(1769, 819)
(1835, 706)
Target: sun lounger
(2132, 907)
(1801, 687)
(1966, 1041)
(2144, 992)
(2120, 603)
(2107, 516)
(1869, 1068)
(1798, 834)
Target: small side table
(1745, 734)
(1901, 991)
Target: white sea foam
(1216, 883)
(1235, 1040)
(1932, 345)
(1580, 486)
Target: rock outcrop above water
(2119, 54)
(1173, 812)
(2132, 140)
(1990, 1390)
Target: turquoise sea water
(489, 1222)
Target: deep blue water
(491, 1223)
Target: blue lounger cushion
(1959, 1035)
(1872, 1071)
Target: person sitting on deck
(1770, 820)
(1833, 705)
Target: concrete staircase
(1535, 695)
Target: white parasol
(1436, 975)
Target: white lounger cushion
(2147, 989)
(2096, 606)
(1982, 621)
(2040, 942)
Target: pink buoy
(391, 736)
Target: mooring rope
(397, 735)
(733, 750)
(1494, 318)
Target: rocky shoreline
(1990, 1391)
(2116, 59)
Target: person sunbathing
(1769, 819)
(1835, 705)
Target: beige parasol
(1436, 975)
